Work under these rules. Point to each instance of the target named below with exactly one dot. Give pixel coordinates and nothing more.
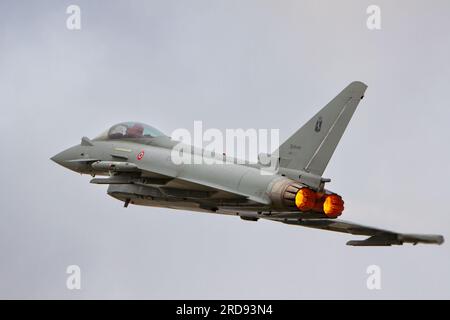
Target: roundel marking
(140, 155)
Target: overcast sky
(232, 64)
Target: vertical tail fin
(312, 146)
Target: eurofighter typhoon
(134, 160)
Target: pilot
(135, 131)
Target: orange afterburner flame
(308, 200)
(333, 205)
(305, 199)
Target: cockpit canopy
(130, 130)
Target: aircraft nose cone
(61, 159)
(66, 158)
(58, 158)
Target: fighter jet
(135, 160)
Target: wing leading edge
(377, 237)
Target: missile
(118, 166)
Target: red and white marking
(140, 155)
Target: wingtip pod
(397, 239)
(376, 237)
(422, 238)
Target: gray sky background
(231, 64)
